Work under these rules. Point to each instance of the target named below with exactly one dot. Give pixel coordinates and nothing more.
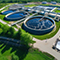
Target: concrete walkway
(18, 26)
(46, 46)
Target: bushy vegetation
(7, 31)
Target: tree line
(25, 1)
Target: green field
(57, 11)
(30, 5)
(48, 5)
(34, 54)
(7, 51)
(39, 4)
(2, 18)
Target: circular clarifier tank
(38, 25)
(7, 12)
(15, 16)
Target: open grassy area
(39, 4)
(2, 18)
(21, 53)
(30, 5)
(34, 54)
(4, 4)
(48, 5)
(57, 11)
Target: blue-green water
(35, 23)
(17, 15)
(6, 12)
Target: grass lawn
(48, 5)
(57, 11)
(23, 54)
(2, 18)
(4, 4)
(34, 54)
(39, 4)
(30, 5)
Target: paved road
(47, 46)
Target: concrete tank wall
(38, 32)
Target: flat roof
(58, 45)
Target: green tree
(11, 32)
(3, 57)
(26, 39)
(1, 25)
(5, 28)
(18, 34)
(1, 30)
(14, 57)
